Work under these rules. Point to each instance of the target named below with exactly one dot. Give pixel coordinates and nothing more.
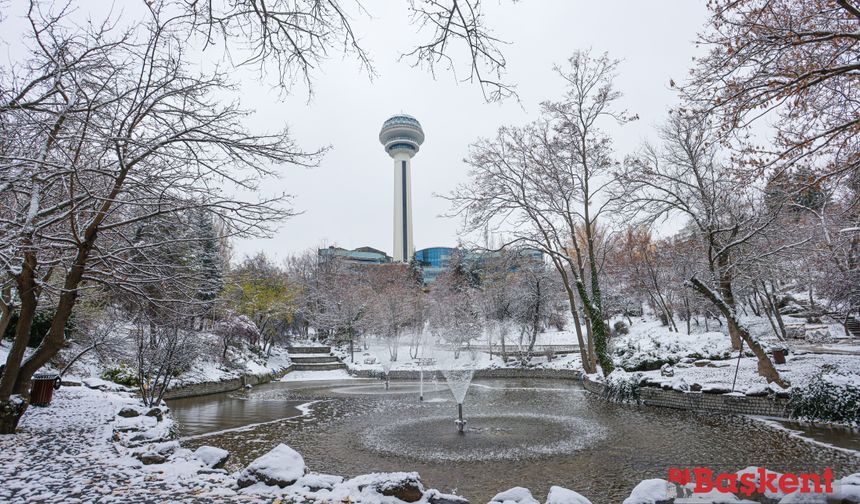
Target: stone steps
(313, 359)
(309, 349)
(853, 326)
(325, 366)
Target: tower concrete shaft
(403, 245)
(402, 136)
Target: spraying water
(458, 374)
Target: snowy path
(63, 453)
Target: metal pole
(740, 354)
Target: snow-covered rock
(405, 486)
(515, 495)
(156, 453)
(756, 471)
(757, 390)
(667, 370)
(437, 497)
(679, 384)
(282, 466)
(317, 482)
(560, 495)
(212, 456)
(650, 491)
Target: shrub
(41, 323)
(622, 387)
(558, 320)
(830, 397)
(621, 327)
(122, 374)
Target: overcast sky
(348, 200)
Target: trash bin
(779, 356)
(42, 390)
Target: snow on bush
(646, 351)
(830, 396)
(621, 386)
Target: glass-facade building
(436, 260)
(433, 261)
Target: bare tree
(340, 300)
(394, 308)
(461, 22)
(547, 182)
(793, 63)
(687, 178)
(102, 131)
(162, 350)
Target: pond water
(531, 433)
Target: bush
(41, 323)
(122, 374)
(558, 320)
(622, 387)
(621, 327)
(830, 397)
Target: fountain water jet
(459, 378)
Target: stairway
(314, 358)
(853, 326)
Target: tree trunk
(12, 408)
(598, 331)
(766, 368)
(583, 346)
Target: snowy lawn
(799, 369)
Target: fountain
(458, 374)
(386, 368)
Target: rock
(128, 412)
(679, 384)
(282, 466)
(715, 389)
(157, 413)
(768, 497)
(437, 497)
(650, 491)
(702, 363)
(782, 393)
(667, 370)
(757, 391)
(696, 387)
(370, 360)
(687, 360)
(213, 457)
(559, 495)
(248, 386)
(405, 486)
(516, 495)
(317, 482)
(151, 458)
(156, 453)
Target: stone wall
(698, 401)
(554, 374)
(217, 387)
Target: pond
(531, 433)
